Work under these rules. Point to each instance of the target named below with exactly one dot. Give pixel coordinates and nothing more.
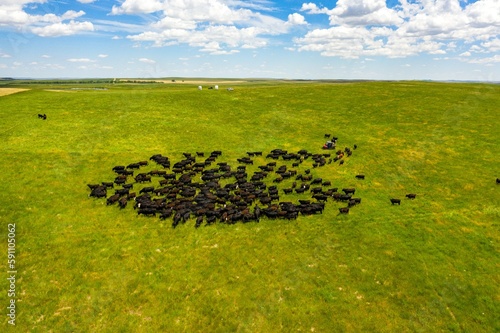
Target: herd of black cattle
(193, 187)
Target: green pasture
(429, 265)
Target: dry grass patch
(9, 91)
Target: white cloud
(137, 7)
(63, 29)
(214, 26)
(370, 28)
(492, 45)
(147, 61)
(80, 60)
(296, 19)
(489, 60)
(102, 55)
(86, 1)
(13, 15)
(362, 12)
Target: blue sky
(343, 39)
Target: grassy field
(429, 265)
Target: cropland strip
(9, 91)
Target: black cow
(98, 192)
(133, 166)
(122, 202)
(498, 180)
(199, 221)
(316, 181)
(396, 201)
(147, 189)
(344, 210)
(349, 190)
(360, 176)
(120, 181)
(112, 199)
(411, 195)
(42, 116)
(122, 192)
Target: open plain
(430, 264)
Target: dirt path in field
(8, 91)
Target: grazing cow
(317, 181)
(327, 135)
(147, 189)
(123, 191)
(355, 146)
(344, 210)
(320, 197)
(360, 176)
(122, 202)
(341, 162)
(133, 166)
(177, 219)
(199, 221)
(120, 181)
(396, 201)
(498, 180)
(349, 190)
(411, 195)
(112, 199)
(345, 197)
(356, 200)
(98, 192)
(42, 116)
(107, 184)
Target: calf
(396, 201)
